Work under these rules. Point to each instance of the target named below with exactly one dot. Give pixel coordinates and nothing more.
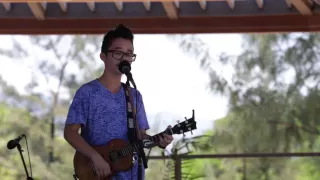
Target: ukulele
(120, 154)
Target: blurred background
(259, 93)
(251, 92)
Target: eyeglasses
(119, 55)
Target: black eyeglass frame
(134, 56)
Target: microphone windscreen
(124, 67)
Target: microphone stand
(141, 153)
(130, 79)
(125, 67)
(24, 163)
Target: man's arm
(76, 119)
(72, 136)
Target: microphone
(14, 142)
(125, 68)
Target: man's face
(120, 49)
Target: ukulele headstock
(185, 126)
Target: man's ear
(103, 56)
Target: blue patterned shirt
(103, 116)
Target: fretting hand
(166, 140)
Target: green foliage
(273, 107)
(58, 54)
(273, 99)
(14, 122)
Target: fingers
(168, 137)
(99, 173)
(106, 171)
(162, 141)
(167, 141)
(103, 172)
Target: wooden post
(177, 168)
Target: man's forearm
(78, 143)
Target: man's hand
(166, 140)
(101, 166)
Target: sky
(171, 81)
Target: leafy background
(273, 107)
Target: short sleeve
(78, 110)
(141, 114)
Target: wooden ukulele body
(84, 168)
(119, 153)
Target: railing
(178, 158)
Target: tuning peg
(186, 120)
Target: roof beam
(63, 6)
(44, 5)
(303, 6)
(230, 3)
(37, 10)
(248, 24)
(170, 9)
(288, 2)
(119, 5)
(260, 3)
(77, 1)
(91, 5)
(176, 2)
(203, 4)
(7, 6)
(147, 5)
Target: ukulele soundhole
(114, 156)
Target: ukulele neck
(152, 141)
(156, 138)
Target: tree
(54, 57)
(273, 97)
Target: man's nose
(127, 58)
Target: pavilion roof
(166, 16)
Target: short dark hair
(119, 32)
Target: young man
(99, 106)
